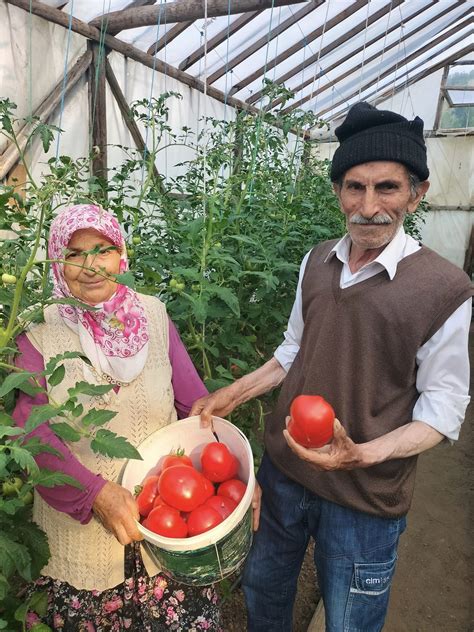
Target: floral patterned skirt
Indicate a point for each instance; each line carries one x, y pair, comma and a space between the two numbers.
141, 603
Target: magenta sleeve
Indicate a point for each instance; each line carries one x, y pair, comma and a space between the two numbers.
75, 502
187, 385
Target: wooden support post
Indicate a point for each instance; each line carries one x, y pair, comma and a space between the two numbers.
97, 112
439, 108
11, 155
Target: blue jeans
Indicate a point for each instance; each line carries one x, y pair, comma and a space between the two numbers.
355, 557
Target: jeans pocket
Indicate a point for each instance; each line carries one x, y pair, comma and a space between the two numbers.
368, 596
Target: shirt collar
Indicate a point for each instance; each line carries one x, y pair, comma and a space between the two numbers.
388, 258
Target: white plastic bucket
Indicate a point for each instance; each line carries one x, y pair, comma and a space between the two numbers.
211, 556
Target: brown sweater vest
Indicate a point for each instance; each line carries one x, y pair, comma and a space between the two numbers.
358, 351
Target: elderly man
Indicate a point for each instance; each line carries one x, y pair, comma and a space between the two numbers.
379, 328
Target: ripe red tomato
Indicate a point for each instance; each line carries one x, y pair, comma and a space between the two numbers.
167, 522
312, 421
202, 519
176, 458
182, 487
218, 463
159, 502
209, 487
233, 489
223, 505
147, 495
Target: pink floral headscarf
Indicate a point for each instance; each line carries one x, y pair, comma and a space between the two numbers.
115, 335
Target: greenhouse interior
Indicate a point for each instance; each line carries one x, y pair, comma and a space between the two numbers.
206, 140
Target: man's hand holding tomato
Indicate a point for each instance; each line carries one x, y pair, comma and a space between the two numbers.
340, 454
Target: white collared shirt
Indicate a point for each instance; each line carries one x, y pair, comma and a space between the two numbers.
443, 361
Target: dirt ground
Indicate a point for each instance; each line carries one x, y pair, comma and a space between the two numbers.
433, 588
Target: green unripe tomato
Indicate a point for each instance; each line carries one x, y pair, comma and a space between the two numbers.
136, 239
12, 486
173, 283
195, 287
8, 279
130, 252
180, 286
27, 497
218, 245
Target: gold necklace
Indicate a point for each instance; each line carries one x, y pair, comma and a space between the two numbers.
108, 378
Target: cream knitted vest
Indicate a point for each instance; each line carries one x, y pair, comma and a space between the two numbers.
88, 556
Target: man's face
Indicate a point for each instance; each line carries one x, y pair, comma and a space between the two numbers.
375, 197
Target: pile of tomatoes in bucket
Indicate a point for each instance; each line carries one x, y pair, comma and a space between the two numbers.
182, 501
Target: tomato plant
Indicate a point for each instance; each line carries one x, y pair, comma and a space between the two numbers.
202, 519
166, 521
218, 463
233, 489
223, 505
147, 495
312, 421
182, 487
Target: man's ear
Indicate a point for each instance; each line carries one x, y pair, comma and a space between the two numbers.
336, 187
421, 190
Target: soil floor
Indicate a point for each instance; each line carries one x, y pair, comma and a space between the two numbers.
433, 588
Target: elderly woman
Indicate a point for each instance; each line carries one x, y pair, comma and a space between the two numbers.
130, 343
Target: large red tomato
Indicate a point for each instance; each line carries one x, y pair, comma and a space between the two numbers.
233, 489
223, 505
218, 463
202, 519
312, 421
182, 487
176, 458
166, 521
208, 487
147, 495
159, 502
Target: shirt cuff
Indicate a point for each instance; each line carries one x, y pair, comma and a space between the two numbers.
443, 413
285, 354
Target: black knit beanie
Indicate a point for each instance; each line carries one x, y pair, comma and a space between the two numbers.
368, 134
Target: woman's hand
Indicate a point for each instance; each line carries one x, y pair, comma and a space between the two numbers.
117, 510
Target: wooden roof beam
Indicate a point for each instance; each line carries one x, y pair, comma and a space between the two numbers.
371, 58
90, 32
132, 5
199, 53
181, 12
337, 19
411, 57
169, 36
263, 41
316, 58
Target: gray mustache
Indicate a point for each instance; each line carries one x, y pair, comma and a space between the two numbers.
377, 219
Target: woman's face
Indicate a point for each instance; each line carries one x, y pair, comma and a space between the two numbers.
87, 248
